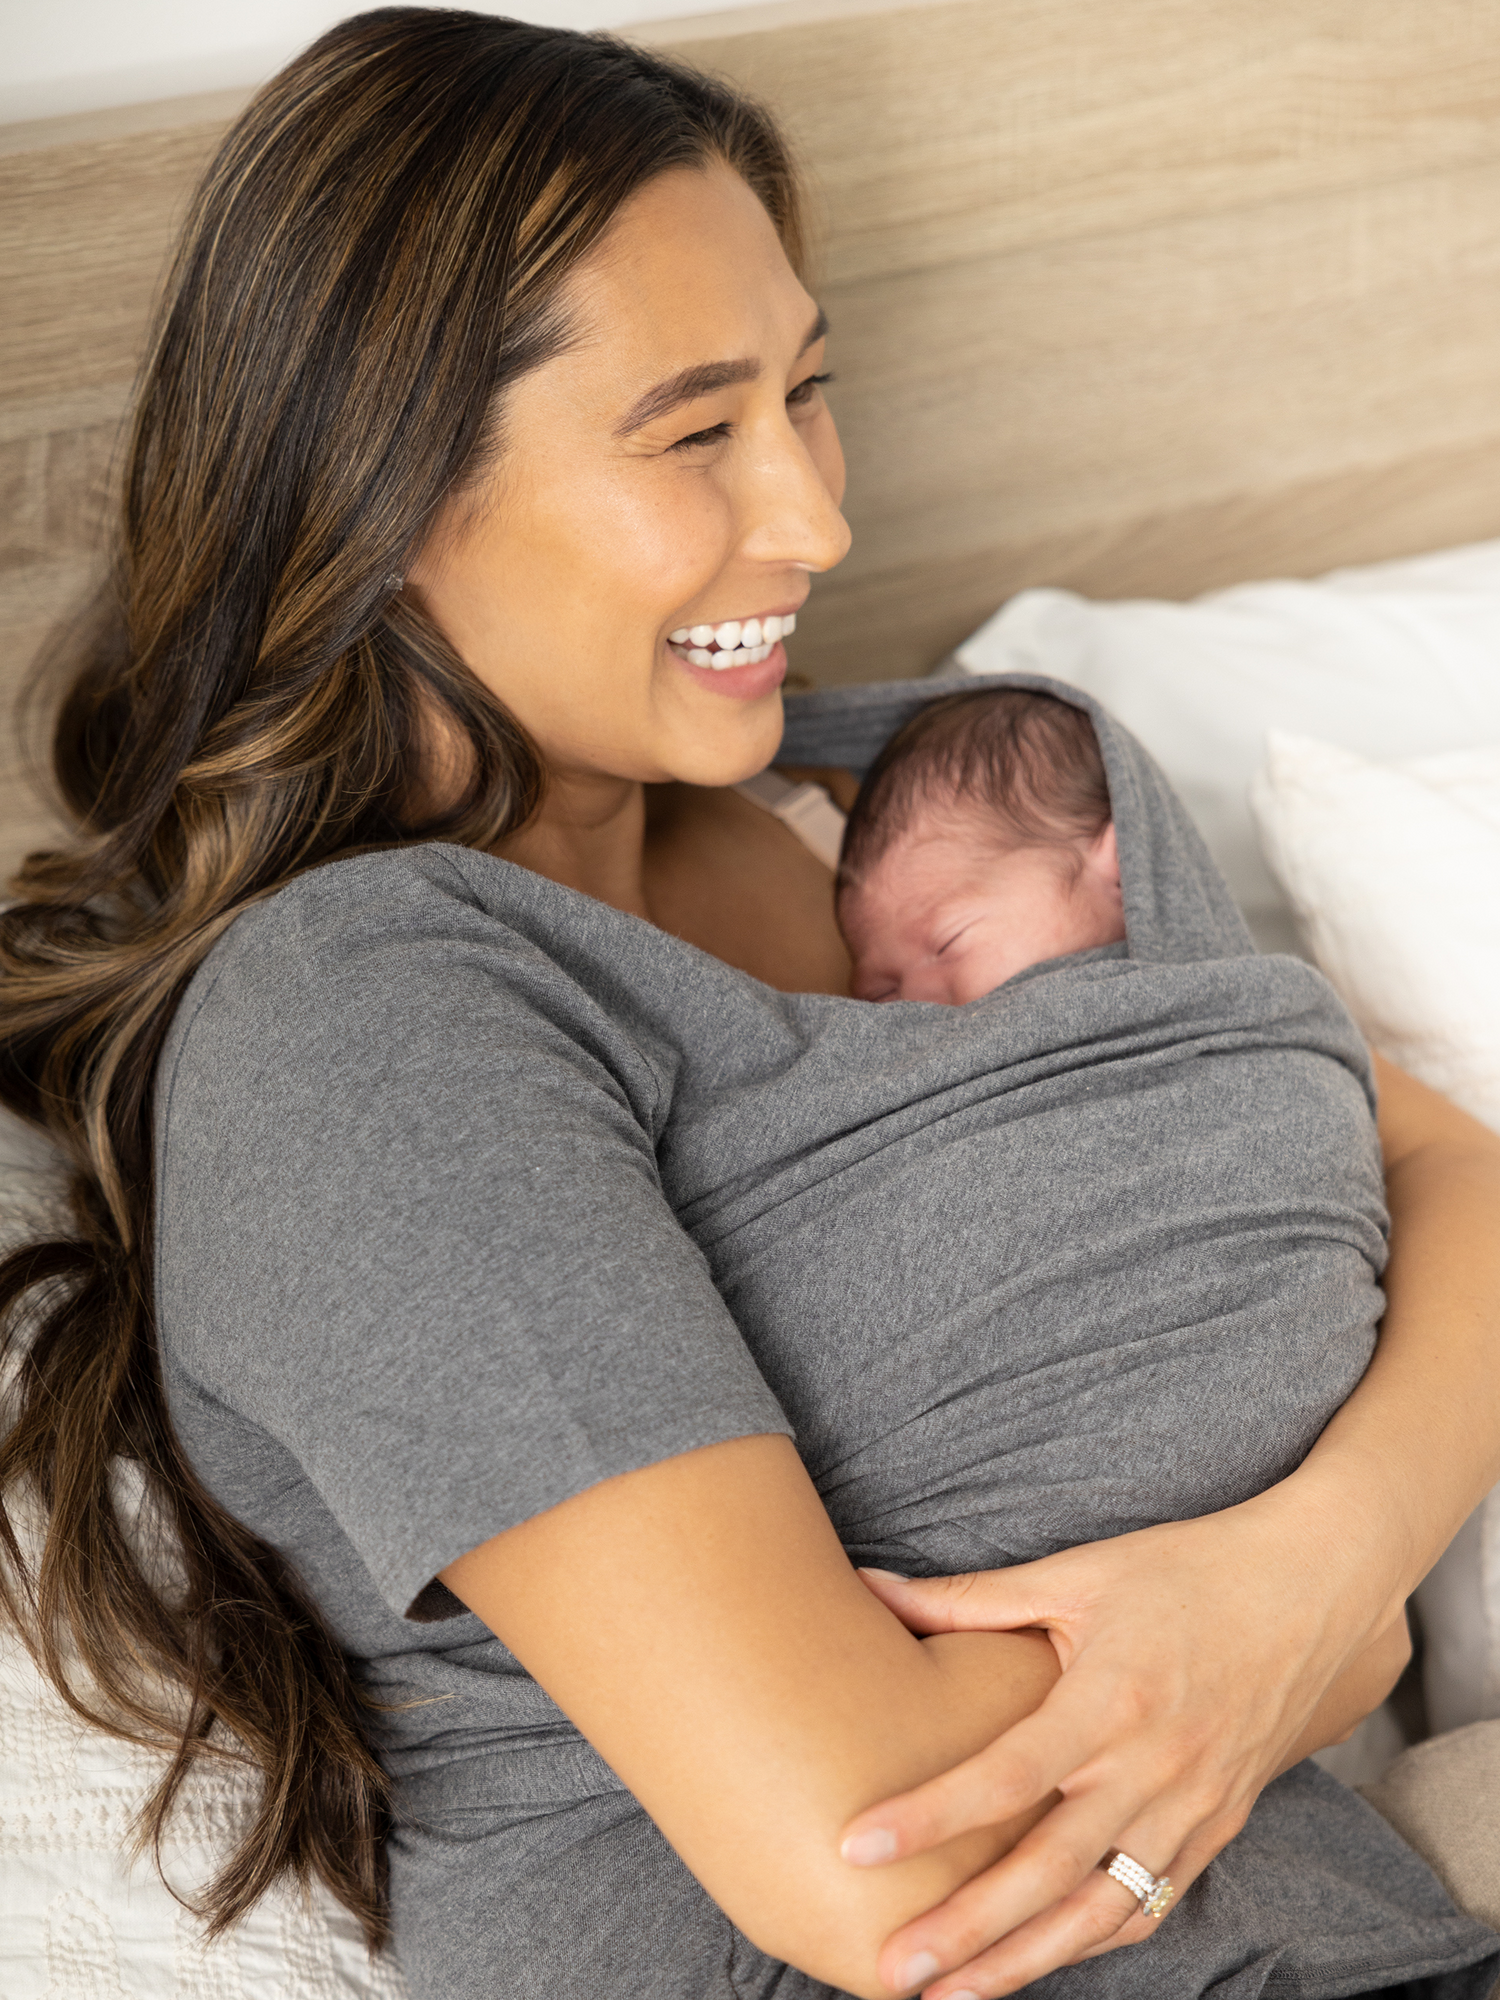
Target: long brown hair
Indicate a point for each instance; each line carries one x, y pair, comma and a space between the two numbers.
374, 255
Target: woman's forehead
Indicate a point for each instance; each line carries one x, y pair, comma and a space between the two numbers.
690, 278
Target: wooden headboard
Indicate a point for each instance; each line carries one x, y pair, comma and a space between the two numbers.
1140, 298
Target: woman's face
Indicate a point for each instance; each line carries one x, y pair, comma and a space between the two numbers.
675, 468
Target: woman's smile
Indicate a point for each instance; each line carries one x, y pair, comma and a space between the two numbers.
736, 643
743, 657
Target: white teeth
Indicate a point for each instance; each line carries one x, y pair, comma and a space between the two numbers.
740, 643
739, 656
735, 634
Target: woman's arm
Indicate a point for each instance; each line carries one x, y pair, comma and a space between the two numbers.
1420, 1437
1202, 1657
700, 1623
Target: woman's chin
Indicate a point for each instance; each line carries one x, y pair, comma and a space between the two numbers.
724, 741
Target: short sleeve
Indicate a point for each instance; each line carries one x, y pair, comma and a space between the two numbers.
410, 1222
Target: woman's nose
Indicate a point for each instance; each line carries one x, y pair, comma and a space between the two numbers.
793, 517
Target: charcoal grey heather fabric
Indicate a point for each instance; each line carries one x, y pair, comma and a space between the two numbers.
473, 1192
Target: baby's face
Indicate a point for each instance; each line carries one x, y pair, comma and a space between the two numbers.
945, 917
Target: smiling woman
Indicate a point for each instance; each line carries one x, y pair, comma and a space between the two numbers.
674, 469
423, 326
498, 1557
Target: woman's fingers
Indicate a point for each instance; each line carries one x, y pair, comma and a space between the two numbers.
996, 1600
1041, 1873
992, 1786
1084, 1716
1096, 1916
1181, 1871
1048, 1874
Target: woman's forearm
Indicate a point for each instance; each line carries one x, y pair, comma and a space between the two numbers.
1417, 1445
699, 1622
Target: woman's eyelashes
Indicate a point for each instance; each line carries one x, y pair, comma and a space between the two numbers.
798, 398
696, 438
803, 393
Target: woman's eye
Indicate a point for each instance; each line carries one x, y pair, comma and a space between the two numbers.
803, 393
696, 438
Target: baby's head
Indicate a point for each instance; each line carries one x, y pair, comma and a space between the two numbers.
981, 843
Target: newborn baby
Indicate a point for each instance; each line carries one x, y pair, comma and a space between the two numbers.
981, 843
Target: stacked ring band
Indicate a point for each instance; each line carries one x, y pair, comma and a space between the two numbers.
1153, 1892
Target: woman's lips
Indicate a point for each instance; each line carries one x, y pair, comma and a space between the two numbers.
745, 683
743, 657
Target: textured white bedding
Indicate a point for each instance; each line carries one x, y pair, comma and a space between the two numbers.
84, 1921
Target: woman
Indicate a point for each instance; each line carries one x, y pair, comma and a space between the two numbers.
485, 371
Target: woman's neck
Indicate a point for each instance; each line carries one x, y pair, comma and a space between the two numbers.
589, 834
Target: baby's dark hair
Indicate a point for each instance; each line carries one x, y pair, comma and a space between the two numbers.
1029, 763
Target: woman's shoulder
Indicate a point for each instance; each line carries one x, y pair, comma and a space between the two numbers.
413, 916
383, 893
355, 969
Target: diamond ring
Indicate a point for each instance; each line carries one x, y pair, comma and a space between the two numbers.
1153, 1892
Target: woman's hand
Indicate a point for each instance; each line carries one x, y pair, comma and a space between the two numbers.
1200, 1659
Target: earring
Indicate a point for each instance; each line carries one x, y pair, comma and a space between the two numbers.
394, 582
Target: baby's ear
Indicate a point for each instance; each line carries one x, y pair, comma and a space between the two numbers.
1102, 856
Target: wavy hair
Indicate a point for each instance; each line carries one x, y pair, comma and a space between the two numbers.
377, 252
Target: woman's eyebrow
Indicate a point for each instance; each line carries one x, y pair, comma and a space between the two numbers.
702, 380
685, 387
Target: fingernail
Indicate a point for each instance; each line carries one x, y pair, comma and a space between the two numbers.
871, 1569
918, 1970
963, 1993
868, 1850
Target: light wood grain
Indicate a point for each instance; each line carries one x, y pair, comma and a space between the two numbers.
1138, 299
84, 230
1120, 375
901, 620
949, 132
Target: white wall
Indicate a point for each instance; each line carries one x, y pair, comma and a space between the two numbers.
81, 55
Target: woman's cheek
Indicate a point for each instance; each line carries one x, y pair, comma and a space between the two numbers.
671, 543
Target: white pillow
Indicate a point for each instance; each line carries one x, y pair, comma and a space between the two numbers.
1458, 1603
1395, 660
1392, 870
